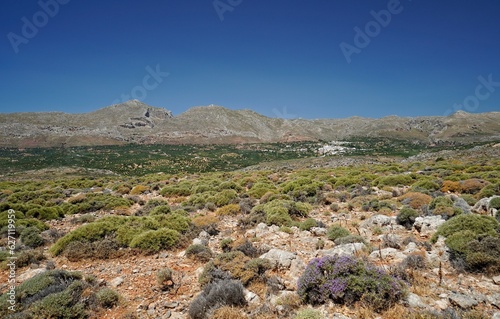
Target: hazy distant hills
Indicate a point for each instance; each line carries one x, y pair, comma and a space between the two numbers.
136, 122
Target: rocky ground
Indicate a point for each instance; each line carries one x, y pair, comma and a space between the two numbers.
439, 286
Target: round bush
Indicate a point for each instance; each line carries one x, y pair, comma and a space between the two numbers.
346, 280
156, 240
108, 298
336, 232
406, 217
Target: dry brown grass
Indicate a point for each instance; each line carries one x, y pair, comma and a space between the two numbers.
420, 284
203, 221
259, 288
227, 312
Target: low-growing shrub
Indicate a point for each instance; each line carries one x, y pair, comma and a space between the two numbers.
107, 297
308, 224
165, 278
346, 280
336, 231
160, 210
30, 236
308, 314
495, 203
406, 217
228, 210
349, 239
28, 257
199, 252
156, 240
139, 189
473, 185
282, 212
226, 244
415, 200
228, 312
51, 294
235, 265
474, 242
216, 295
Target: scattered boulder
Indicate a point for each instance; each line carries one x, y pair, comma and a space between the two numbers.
428, 225
280, 258
414, 301
463, 301
346, 249
378, 220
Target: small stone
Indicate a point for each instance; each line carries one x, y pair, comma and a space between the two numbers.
116, 282
442, 304
163, 255
463, 301
496, 280
171, 305
494, 300
414, 301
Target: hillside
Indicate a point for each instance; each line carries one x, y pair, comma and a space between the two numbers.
335, 237
136, 122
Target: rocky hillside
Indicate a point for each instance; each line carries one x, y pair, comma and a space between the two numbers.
414, 239
136, 122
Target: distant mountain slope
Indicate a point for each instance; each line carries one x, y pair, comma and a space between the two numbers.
136, 122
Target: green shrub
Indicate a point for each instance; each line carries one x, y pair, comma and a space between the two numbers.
156, 240
51, 294
28, 257
308, 314
176, 190
478, 224
336, 231
469, 199
281, 212
45, 213
160, 210
64, 305
308, 224
199, 252
474, 242
225, 197
107, 298
394, 180
177, 220
489, 190
90, 232
30, 236
425, 185
226, 244
134, 226
495, 203
406, 217
165, 278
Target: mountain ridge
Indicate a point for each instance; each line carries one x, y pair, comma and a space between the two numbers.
137, 122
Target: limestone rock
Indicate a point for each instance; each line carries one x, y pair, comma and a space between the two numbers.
279, 258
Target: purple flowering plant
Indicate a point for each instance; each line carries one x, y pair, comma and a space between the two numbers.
346, 280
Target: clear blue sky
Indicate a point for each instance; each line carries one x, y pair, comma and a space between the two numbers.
277, 57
